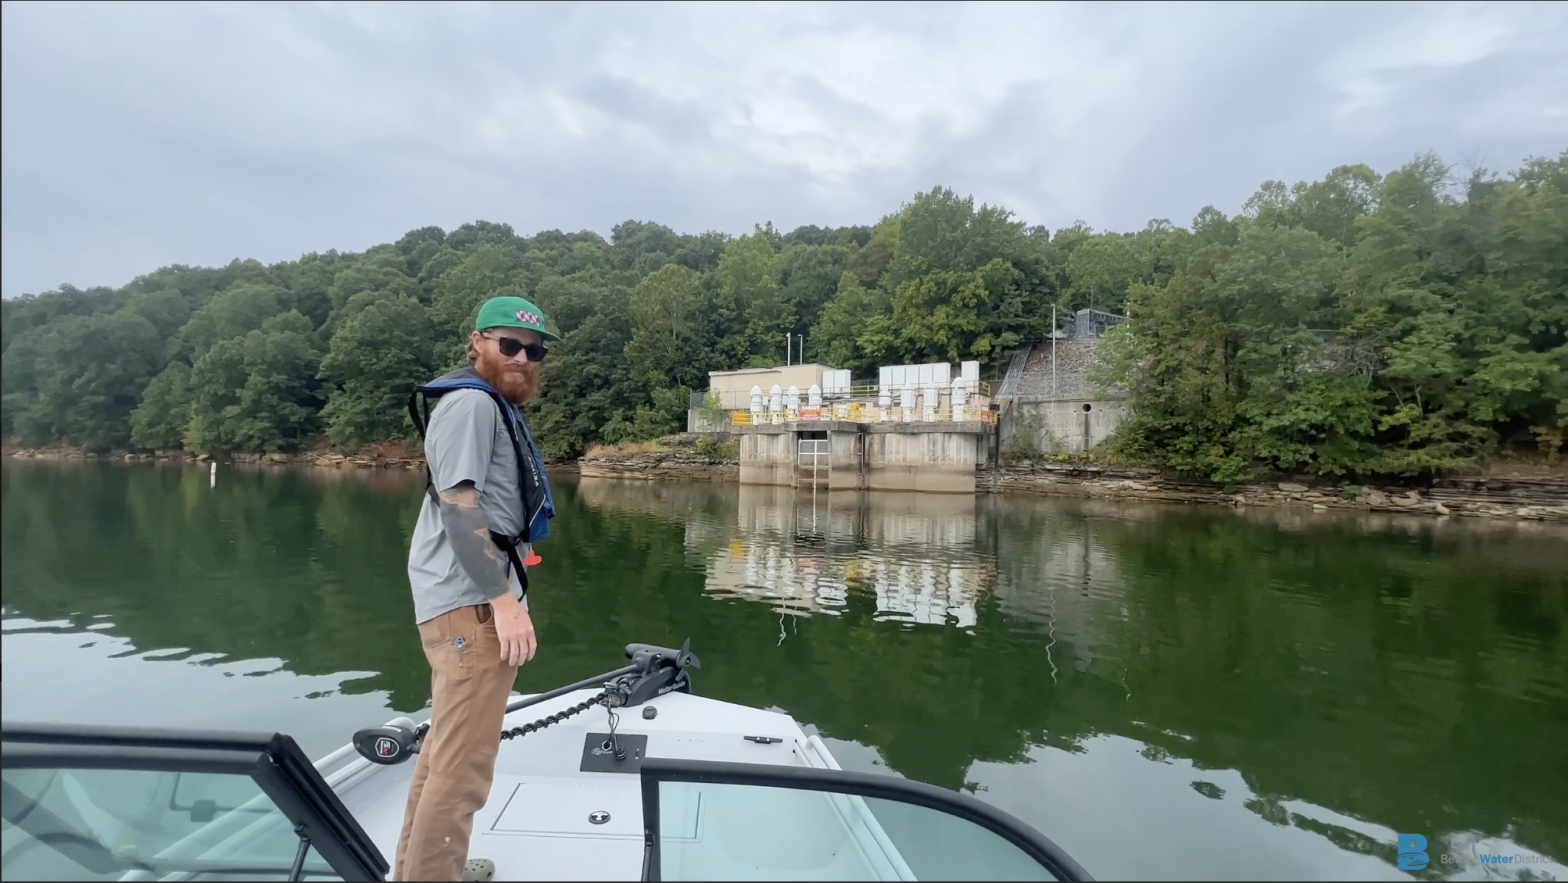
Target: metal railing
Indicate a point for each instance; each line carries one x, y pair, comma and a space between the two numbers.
975, 409
862, 391
863, 402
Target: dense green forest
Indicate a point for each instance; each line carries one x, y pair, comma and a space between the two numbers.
1358, 324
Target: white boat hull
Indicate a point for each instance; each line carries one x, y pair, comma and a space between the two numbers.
542, 820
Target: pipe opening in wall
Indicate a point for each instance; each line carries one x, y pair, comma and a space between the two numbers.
1086, 407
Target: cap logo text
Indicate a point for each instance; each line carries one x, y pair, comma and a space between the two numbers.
530, 318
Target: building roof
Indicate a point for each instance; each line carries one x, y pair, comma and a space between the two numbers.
769, 370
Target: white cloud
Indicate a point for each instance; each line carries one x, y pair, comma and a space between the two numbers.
137, 136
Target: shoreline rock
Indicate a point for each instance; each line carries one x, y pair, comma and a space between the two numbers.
332, 459
1533, 498
663, 466
1537, 499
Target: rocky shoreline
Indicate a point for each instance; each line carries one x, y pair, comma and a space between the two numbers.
1533, 498
358, 460
326, 459
1537, 497
672, 466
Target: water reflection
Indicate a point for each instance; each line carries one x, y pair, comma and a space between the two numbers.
1263, 694
801, 552
1272, 662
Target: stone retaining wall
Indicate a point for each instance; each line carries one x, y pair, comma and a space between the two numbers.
660, 467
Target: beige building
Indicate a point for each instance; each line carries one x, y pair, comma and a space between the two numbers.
734, 387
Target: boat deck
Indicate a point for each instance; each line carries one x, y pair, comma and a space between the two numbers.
543, 819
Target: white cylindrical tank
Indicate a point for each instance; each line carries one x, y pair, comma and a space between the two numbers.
792, 399
814, 396
960, 397
775, 399
906, 397
931, 395
756, 400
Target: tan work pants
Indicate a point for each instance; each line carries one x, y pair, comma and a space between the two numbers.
469, 685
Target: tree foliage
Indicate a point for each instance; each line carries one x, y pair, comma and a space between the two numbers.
1356, 324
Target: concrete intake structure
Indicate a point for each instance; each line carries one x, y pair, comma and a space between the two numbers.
936, 457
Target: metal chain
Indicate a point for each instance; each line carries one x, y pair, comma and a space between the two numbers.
547, 720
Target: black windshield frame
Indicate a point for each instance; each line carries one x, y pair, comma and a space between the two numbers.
273, 760
656, 770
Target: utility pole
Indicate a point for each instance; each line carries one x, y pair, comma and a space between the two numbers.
789, 348
1053, 351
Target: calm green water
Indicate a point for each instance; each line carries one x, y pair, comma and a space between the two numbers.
1167, 692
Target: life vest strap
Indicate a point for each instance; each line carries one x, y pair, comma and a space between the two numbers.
422, 422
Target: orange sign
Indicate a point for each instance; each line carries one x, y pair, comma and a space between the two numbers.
810, 413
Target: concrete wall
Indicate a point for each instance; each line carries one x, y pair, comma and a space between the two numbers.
1058, 426
934, 462
927, 457
695, 422
767, 458
844, 448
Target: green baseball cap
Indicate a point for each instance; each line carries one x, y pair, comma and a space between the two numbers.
512, 312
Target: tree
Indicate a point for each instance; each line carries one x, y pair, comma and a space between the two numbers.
1360, 324
748, 290
161, 419
258, 392
86, 374
374, 362
663, 310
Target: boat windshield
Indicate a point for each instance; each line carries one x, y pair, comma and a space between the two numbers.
120, 803
115, 824
719, 821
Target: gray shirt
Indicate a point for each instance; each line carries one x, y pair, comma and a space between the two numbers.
465, 441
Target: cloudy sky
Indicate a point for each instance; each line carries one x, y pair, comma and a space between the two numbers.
141, 135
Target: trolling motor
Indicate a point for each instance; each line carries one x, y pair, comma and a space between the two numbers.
658, 670
654, 671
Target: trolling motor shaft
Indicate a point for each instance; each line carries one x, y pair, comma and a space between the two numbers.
654, 671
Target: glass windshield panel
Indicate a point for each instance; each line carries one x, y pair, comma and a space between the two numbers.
756, 832
95, 824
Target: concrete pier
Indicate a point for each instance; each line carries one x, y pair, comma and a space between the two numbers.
936, 457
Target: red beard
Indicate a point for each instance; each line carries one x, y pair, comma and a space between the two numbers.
516, 382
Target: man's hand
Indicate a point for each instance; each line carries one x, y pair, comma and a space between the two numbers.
469, 535
514, 628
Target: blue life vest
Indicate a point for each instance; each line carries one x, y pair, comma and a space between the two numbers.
538, 504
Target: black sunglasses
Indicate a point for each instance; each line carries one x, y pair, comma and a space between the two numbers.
511, 346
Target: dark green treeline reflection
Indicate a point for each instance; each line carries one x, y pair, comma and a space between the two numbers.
1407, 672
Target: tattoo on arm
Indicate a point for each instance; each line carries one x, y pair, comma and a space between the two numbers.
469, 534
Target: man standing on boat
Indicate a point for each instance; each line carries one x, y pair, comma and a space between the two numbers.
486, 504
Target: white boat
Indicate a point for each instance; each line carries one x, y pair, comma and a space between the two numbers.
624, 776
